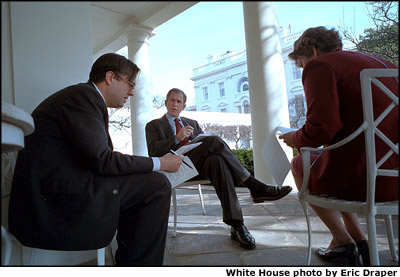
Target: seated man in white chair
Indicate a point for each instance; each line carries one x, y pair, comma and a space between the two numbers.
213, 160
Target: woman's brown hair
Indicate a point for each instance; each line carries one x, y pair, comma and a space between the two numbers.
323, 39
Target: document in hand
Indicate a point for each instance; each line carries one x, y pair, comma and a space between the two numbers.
200, 137
184, 173
186, 148
274, 156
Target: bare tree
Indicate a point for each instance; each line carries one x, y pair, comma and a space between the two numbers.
120, 118
382, 40
234, 133
215, 129
296, 111
158, 102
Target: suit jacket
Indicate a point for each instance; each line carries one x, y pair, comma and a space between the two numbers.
334, 111
160, 137
64, 193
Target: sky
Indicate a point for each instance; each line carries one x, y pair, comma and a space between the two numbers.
212, 28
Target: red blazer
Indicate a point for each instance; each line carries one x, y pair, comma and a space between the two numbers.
334, 110
65, 187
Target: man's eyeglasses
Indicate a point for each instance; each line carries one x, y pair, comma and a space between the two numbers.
130, 84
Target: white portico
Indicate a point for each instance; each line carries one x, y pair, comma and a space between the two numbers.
47, 46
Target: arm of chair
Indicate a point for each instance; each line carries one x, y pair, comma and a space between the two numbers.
305, 155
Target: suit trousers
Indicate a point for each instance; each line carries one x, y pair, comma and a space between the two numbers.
214, 160
143, 222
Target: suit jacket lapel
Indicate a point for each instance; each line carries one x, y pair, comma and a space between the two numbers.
105, 117
166, 127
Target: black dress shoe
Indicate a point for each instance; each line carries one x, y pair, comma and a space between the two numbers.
269, 193
363, 249
345, 255
243, 236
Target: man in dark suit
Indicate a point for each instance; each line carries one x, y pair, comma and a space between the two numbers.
71, 191
213, 160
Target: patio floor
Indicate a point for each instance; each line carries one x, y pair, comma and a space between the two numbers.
279, 228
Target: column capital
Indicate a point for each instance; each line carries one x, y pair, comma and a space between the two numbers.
138, 33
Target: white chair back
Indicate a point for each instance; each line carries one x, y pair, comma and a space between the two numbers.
369, 77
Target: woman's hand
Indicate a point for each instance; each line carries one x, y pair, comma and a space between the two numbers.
288, 138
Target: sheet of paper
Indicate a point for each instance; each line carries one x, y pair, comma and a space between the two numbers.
274, 156
280, 130
184, 173
186, 148
200, 137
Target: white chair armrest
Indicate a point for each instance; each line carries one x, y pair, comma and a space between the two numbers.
306, 151
340, 143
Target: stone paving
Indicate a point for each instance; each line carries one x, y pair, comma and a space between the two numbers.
279, 228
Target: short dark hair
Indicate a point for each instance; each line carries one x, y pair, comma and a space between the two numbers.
176, 90
115, 63
323, 39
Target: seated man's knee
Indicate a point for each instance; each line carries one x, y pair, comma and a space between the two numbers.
162, 183
214, 141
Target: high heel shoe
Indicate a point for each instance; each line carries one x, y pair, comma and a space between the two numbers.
347, 254
363, 249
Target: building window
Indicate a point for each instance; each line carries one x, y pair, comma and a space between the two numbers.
221, 89
243, 84
239, 109
223, 110
205, 93
246, 107
296, 72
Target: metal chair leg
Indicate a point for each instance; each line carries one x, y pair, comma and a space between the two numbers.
389, 230
201, 199
372, 242
303, 204
101, 257
175, 211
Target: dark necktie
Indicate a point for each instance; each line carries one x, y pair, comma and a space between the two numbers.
178, 128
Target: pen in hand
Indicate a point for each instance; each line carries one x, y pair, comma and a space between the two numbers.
173, 152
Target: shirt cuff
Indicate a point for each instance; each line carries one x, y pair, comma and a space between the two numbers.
156, 164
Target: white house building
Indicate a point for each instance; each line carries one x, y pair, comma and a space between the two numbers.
222, 85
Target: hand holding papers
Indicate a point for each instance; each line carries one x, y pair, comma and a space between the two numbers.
173, 152
274, 156
284, 130
186, 171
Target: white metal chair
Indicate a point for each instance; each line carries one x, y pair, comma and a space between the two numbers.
9, 240
183, 185
369, 208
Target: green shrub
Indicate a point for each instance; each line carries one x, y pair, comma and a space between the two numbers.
245, 156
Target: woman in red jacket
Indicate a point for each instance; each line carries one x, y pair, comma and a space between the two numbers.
331, 80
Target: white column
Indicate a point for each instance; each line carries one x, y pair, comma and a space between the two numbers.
141, 102
266, 78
